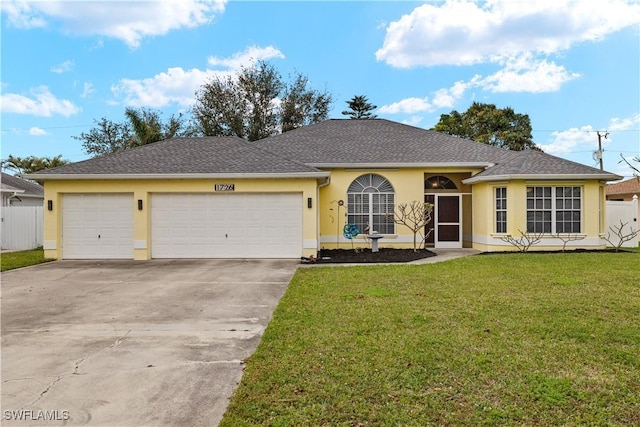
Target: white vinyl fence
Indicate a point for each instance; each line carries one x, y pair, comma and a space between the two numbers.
22, 227
619, 213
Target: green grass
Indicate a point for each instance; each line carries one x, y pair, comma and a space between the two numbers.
508, 339
11, 260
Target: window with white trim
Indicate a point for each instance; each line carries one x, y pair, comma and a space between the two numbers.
370, 204
501, 209
554, 209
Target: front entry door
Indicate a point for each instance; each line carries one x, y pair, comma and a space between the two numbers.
445, 221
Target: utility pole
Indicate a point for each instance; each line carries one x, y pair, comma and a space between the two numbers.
599, 152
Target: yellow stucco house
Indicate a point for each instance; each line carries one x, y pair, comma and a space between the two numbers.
291, 195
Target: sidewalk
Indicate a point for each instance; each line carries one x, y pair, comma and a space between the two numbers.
446, 255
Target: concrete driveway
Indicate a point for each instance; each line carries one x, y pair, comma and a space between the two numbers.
126, 343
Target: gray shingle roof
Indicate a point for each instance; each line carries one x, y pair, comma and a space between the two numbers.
12, 183
378, 141
336, 142
532, 162
210, 155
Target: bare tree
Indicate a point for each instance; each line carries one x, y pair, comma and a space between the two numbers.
415, 216
636, 168
622, 236
524, 242
566, 238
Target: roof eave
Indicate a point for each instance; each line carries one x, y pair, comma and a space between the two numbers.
156, 176
388, 165
545, 177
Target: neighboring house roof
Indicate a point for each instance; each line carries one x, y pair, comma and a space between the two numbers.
192, 157
630, 186
25, 188
367, 143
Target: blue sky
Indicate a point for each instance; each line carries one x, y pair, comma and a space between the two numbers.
573, 67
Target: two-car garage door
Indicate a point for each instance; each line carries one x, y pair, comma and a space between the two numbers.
259, 225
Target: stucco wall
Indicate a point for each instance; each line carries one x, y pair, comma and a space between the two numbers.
142, 190
408, 185
485, 238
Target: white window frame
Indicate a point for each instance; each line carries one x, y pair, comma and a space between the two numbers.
362, 202
500, 210
553, 207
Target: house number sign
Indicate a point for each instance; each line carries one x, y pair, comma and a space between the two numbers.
225, 187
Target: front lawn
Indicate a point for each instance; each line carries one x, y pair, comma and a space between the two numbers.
505, 339
11, 260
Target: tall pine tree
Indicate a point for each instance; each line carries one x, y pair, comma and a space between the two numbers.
360, 108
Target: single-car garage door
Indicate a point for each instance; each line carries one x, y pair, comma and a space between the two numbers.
265, 225
97, 226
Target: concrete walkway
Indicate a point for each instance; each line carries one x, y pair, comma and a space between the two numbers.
446, 255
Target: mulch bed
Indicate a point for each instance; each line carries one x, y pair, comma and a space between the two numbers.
385, 255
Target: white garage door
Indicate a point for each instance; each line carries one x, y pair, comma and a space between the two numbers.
226, 225
97, 226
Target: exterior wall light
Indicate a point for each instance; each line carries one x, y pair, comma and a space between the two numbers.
139, 204
49, 205
309, 202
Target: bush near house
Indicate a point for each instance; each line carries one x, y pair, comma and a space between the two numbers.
503, 339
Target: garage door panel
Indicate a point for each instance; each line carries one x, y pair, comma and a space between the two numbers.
226, 225
97, 226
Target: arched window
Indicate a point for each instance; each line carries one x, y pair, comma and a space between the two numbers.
370, 204
439, 183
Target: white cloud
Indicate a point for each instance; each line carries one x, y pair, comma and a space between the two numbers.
574, 139
442, 98
618, 124
413, 121
42, 103
128, 21
446, 98
585, 138
522, 74
463, 32
36, 131
87, 89
250, 55
64, 67
20, 15
525, 74
407, 106
178, 86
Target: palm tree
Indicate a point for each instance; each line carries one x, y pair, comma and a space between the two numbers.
32, 164
146, 125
